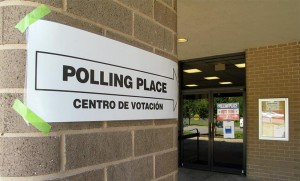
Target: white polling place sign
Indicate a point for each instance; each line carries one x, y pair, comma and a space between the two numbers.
74, 75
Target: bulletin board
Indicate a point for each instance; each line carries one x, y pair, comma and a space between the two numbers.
274, 119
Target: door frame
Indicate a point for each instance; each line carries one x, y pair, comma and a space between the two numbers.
210, 93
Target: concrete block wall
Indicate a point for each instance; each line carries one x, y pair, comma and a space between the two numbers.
273, 72
117, 150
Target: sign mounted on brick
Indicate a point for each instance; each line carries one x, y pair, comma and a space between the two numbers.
74, 75
274, 119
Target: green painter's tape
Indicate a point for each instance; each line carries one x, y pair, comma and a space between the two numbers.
31, 117
32, 17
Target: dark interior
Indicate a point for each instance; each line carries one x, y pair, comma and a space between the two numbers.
230, 73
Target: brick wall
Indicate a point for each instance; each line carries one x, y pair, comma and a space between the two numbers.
273, 72
118, 150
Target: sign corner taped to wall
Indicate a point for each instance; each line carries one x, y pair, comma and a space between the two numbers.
31, 117
32, 17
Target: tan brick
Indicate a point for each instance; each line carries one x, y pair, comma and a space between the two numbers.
176, 176
54, 3
105, 12
282, 45
1, 118
143, 6
81, 149
165, 121
166, 163
152, 140
165, 16
86, 176
175, 5
129, 41
12, 70
168, 2
76, 126
168, 178
29, 156
153, 34
12, 122
66, 20
1, 25
166, 55
97, 148
129, 123
270, 74
175, 51
141, 169
11, 16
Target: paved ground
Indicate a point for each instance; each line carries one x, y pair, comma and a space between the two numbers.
204, 129
195, 175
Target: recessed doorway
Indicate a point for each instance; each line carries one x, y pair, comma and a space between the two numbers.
212, 132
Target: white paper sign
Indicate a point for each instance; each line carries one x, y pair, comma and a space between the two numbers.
74, 75
228, 129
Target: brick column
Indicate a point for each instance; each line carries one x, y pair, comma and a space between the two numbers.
117, 150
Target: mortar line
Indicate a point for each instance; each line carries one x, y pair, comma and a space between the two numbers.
18, 3
65, 5
105, 124
133, 21
63, 160
174, 137
105, 174
175, 45
12, 91
153, 16
2, 24
153, 166
132, 134
115, 129
168, 6
86, 131
174, 174
165, 176
13, 47
164, 151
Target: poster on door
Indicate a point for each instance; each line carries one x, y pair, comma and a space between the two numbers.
228, 111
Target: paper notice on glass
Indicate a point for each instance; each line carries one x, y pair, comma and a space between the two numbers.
268, 130
278, 131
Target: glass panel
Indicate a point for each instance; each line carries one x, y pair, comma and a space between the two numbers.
228, 132
195, 130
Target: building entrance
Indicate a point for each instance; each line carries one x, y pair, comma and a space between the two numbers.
212, 136
212, 133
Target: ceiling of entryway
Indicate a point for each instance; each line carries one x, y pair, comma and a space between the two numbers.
221, 67
215, 27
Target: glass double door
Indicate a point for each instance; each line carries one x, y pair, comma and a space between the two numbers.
212, 134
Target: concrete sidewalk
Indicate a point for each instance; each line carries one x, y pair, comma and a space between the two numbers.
195, 175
